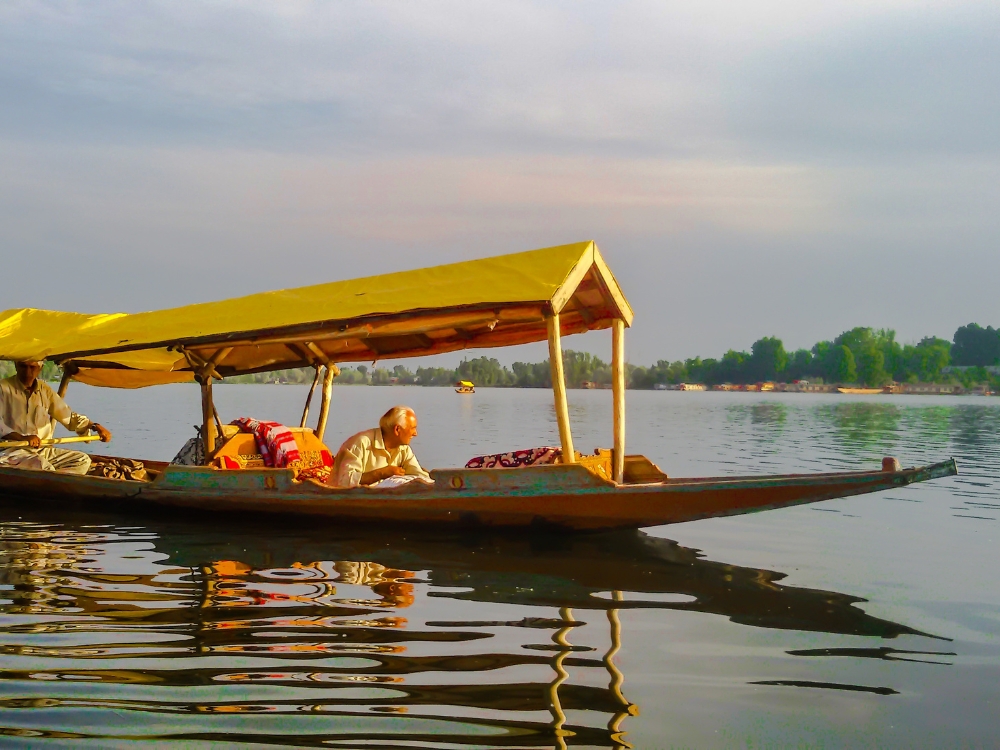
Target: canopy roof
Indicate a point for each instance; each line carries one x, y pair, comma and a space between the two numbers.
499, 301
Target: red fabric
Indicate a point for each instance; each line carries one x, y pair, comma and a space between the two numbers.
320, 473
516, 459
230, 463
275, 442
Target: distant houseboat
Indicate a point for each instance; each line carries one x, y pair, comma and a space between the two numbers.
933, 389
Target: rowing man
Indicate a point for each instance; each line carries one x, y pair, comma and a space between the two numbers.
28, 412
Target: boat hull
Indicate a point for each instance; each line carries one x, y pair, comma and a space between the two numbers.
567, 496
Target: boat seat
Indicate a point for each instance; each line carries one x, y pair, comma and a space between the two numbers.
241, 448
640, 470
599, 463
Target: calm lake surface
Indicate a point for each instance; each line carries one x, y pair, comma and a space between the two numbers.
865, 622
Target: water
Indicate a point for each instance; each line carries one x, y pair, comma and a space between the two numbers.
869, 621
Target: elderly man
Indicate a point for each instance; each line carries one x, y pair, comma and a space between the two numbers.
374, 455
28, 412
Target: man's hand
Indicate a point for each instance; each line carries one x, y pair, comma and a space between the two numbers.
102, 432
377, 475
17, 437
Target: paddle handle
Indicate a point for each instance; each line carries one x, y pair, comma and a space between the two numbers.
52, 441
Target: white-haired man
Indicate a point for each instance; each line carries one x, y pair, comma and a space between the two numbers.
374, 455
28, 411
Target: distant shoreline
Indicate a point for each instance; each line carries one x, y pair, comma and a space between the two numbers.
918, 389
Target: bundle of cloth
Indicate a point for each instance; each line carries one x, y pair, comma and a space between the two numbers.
117, 468
516, 459
276, 445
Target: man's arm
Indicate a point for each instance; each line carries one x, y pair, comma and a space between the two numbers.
349, 466
350, 472
412, 466
74, 422
377, 475
13, 436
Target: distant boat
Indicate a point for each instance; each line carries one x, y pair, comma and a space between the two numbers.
465, 386
859, 391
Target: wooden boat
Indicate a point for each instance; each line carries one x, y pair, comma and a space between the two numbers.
859, 391
501, 301
465, 386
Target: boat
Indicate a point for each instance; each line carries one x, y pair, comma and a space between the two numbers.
859, 391
507, 300
465, 386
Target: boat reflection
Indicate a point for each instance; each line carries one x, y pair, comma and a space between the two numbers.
343, 639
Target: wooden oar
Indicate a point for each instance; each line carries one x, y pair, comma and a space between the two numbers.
52, 441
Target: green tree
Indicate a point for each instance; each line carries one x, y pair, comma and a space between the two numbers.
485, 371
532, 375
925, 361
732, 368
869, 349
350, 376
435, 376
579, 367
840, 367
800, 365
976, 346
768, 359
403, 376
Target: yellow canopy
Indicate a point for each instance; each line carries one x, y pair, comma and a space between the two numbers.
499, 301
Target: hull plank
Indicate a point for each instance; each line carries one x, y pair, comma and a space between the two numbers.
567, 496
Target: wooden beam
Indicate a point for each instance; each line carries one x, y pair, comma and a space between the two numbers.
300, 351
573, 279
559, 389
309, 398
331, 330
614, 291
320, 355
207, 417
64, 382
216, 358
324, 406
618, 395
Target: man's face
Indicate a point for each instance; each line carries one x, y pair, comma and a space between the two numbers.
408, 430
27, 372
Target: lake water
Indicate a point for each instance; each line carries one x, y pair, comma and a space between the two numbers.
865, 622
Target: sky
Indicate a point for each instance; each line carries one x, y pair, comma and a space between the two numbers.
747, 169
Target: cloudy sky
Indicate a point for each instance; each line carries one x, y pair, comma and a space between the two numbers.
747, 168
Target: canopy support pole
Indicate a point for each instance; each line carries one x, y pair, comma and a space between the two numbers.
309, 398
64, 382
68, 372
207, 416
324, 405
559, 389
618, 394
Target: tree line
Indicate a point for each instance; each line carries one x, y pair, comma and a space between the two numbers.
863, 356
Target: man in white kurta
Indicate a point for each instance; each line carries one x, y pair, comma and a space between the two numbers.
375, 455
29, 409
